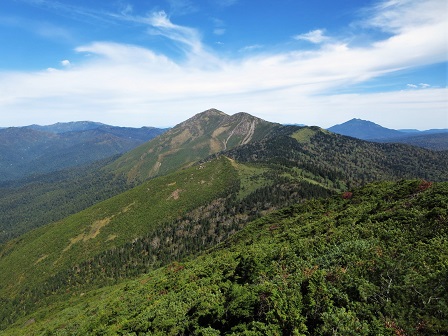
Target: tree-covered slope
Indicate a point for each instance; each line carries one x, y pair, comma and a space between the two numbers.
44, 198
290, 162
40, 199
369, 262
341, 161
179, 215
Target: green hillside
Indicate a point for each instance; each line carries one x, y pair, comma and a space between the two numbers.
42, 199
162, 220
369, 262
28, 262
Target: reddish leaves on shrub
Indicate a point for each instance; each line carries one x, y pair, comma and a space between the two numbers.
424, 185
347, 195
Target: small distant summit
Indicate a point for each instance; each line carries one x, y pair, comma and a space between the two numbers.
364, 129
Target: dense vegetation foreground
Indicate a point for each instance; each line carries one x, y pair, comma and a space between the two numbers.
371, 262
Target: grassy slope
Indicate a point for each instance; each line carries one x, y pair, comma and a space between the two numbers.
369, 263
283, 167
32, 258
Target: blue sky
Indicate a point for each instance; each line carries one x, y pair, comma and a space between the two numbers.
157, 63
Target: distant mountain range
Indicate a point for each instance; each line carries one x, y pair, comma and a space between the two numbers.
41, 149
435, 139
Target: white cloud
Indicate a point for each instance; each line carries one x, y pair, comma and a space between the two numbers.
130, 85
397, 16
65, 63
162, 25
418, 86
315, 36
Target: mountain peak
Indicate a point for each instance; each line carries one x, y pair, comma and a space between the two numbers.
243, 115
202, 135
210, 112
213, 111
364, 129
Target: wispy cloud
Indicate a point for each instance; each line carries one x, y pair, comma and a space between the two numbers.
219, 26
188, 39
125, 8
39, 28
118, 79
418, 86
219, 31
182, 7
397, 16
70, 10
315, 36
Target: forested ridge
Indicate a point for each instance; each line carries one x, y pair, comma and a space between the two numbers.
368, 262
